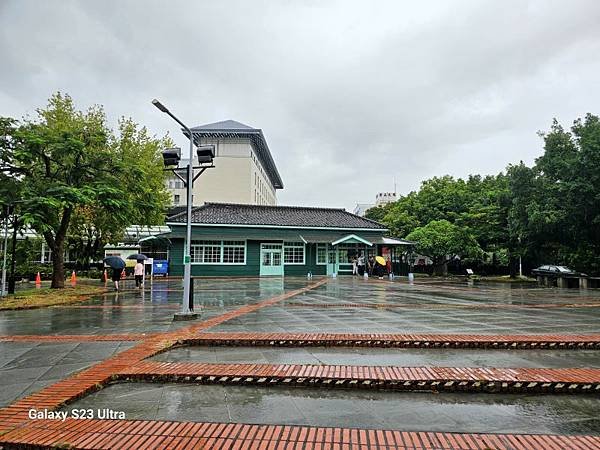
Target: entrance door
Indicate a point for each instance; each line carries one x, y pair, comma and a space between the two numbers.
331, 260
271, 262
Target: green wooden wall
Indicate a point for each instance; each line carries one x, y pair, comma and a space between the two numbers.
250, 269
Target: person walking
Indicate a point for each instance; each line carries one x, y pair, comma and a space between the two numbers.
360, 265
116, 277
354, 266
138, 272
371, 266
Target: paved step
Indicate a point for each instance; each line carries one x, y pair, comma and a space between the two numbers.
476, 379
136, 434
513, 341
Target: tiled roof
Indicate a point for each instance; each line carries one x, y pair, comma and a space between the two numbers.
288, 216
224, 125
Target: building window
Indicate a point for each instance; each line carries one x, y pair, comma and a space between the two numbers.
293, 253
218, 252
206, 252
234, 252
322, 254
176, 199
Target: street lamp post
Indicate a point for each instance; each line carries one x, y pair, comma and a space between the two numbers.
5, 252
187, 302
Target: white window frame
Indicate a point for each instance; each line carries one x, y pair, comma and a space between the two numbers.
294, 245
323, 246
221, 252
223, 245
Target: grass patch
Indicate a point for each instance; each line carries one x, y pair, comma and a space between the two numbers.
43, 297
504, 279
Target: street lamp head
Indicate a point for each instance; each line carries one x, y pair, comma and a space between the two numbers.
160, 106
171, 156
205, 153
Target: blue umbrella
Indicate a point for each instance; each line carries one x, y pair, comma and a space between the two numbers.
115, 262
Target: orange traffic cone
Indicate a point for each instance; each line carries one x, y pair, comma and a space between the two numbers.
38, 280
73, 278
123, 274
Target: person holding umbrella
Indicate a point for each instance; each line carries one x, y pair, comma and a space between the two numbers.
138, 270
117, 265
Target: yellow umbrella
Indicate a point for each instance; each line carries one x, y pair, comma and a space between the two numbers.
380, 260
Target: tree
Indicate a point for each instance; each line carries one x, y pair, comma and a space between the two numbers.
555, 208
71, 169
143, 187
443, 241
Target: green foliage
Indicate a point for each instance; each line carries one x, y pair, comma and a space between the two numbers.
76, 177
555, 207
442, 241
548, 213
478, 204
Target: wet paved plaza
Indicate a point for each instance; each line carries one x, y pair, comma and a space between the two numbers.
26, 367
408, 357
141, 311
343, 305
358, 306
354, 409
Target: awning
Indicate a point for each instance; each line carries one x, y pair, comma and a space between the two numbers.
352, 239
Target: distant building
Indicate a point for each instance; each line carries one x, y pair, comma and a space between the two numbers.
244, 171
361, 208
382, 198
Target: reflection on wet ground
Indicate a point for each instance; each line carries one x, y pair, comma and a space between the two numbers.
384, 356
143, 311
26, 367
338, 408
428, 307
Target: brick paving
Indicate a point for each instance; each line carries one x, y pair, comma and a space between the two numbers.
138, 434
17, 431
499, 341
582, 381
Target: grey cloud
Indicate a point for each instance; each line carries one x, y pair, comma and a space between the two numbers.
348, 94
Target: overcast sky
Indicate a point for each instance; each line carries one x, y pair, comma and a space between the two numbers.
349, 95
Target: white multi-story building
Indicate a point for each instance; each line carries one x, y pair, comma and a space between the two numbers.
244, 169
382, 198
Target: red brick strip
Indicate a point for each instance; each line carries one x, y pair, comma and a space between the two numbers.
75, 337
507, 341
585, 381
137, 434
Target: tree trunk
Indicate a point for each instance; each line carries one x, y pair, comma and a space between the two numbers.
512, 265
58, 268
58, 260
440, 269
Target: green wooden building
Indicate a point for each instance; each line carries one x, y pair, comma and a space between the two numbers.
257, 240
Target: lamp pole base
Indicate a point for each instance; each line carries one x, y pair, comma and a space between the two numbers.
185, 316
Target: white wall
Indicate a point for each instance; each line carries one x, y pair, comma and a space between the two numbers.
237, 177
